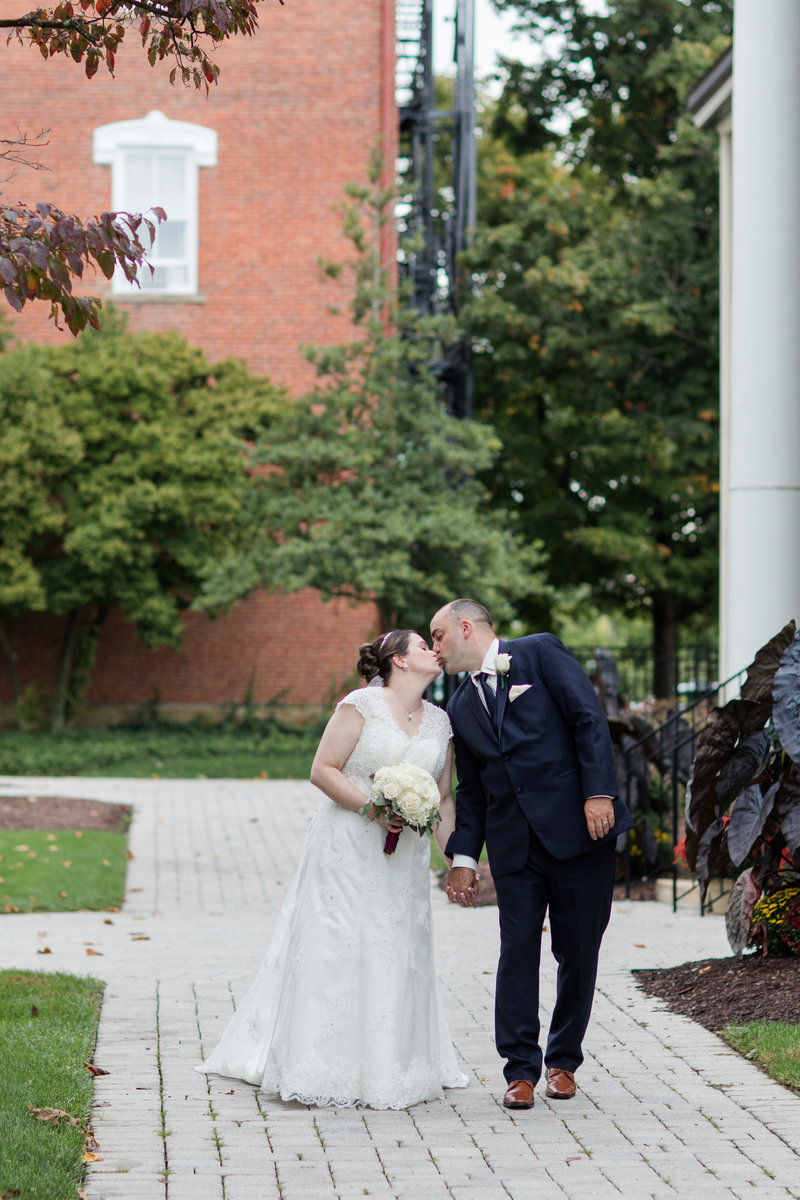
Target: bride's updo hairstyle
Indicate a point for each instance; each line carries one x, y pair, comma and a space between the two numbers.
375, 658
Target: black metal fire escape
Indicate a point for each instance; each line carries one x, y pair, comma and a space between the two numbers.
437, 220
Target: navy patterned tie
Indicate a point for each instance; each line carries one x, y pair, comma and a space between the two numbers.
489, 695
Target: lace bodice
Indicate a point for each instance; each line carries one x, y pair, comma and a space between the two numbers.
383, 743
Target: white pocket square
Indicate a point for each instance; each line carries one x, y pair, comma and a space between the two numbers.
517, 690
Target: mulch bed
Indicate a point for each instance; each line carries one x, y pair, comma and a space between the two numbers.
62, 812
729, 991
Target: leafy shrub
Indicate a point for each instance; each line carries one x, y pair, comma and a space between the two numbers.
743, 798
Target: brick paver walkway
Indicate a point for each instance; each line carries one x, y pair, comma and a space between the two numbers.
664, 1108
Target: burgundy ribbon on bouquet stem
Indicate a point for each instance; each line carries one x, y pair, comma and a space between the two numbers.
390, 845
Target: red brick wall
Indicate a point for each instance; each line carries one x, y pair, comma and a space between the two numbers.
294, 647
297, 111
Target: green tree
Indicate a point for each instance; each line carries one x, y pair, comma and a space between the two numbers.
594, 321
122, 472
367, 488
618, 77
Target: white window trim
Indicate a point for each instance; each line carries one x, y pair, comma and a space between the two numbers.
111, 143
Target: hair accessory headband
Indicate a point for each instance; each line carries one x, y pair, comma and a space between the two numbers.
383, 639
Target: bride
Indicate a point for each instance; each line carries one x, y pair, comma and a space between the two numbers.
344, 1009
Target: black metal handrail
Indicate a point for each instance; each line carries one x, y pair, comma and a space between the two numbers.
669, 748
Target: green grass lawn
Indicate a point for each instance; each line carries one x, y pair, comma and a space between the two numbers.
773, 1045
163, 751
43, 1058
61, 870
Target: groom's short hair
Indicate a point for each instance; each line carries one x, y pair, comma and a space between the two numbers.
470, 610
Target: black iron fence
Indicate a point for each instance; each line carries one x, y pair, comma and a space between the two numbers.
654, 763
632, 670
627, 673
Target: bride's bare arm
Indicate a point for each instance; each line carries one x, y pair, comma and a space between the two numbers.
336, 745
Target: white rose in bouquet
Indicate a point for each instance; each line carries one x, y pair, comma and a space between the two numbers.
389, 788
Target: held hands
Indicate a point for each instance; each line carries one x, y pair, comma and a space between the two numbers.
599, 816
461, 886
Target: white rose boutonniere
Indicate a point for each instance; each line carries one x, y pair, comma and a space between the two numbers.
502, 665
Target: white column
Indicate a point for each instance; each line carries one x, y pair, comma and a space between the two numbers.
761, 556
725, 274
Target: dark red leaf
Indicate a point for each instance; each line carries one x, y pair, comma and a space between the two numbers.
13, 299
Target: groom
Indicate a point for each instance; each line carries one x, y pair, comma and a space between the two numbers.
536, 782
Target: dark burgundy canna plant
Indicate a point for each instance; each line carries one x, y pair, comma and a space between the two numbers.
743, 796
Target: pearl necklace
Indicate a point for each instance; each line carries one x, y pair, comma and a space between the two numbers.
409, 715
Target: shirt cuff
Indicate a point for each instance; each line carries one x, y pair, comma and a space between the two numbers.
464, 860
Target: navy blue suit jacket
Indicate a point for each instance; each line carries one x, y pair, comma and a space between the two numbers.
534, 768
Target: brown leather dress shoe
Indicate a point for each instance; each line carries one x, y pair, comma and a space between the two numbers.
519, 1094
560, 1084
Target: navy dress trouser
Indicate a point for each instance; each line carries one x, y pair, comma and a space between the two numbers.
578, 893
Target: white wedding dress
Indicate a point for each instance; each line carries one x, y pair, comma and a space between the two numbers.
344, 1009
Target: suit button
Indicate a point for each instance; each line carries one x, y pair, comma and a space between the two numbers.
506, 757
519, 789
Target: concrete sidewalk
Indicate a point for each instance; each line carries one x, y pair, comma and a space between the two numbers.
664, 1108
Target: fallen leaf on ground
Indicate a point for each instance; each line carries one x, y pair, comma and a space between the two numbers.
90, 1156
44, 950
54, 1116
34, 1011
93, 1069
94, 953
703, 970
140, 937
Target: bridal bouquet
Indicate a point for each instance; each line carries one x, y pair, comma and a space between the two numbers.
406, 791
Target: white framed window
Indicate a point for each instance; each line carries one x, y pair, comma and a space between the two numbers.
154, 161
